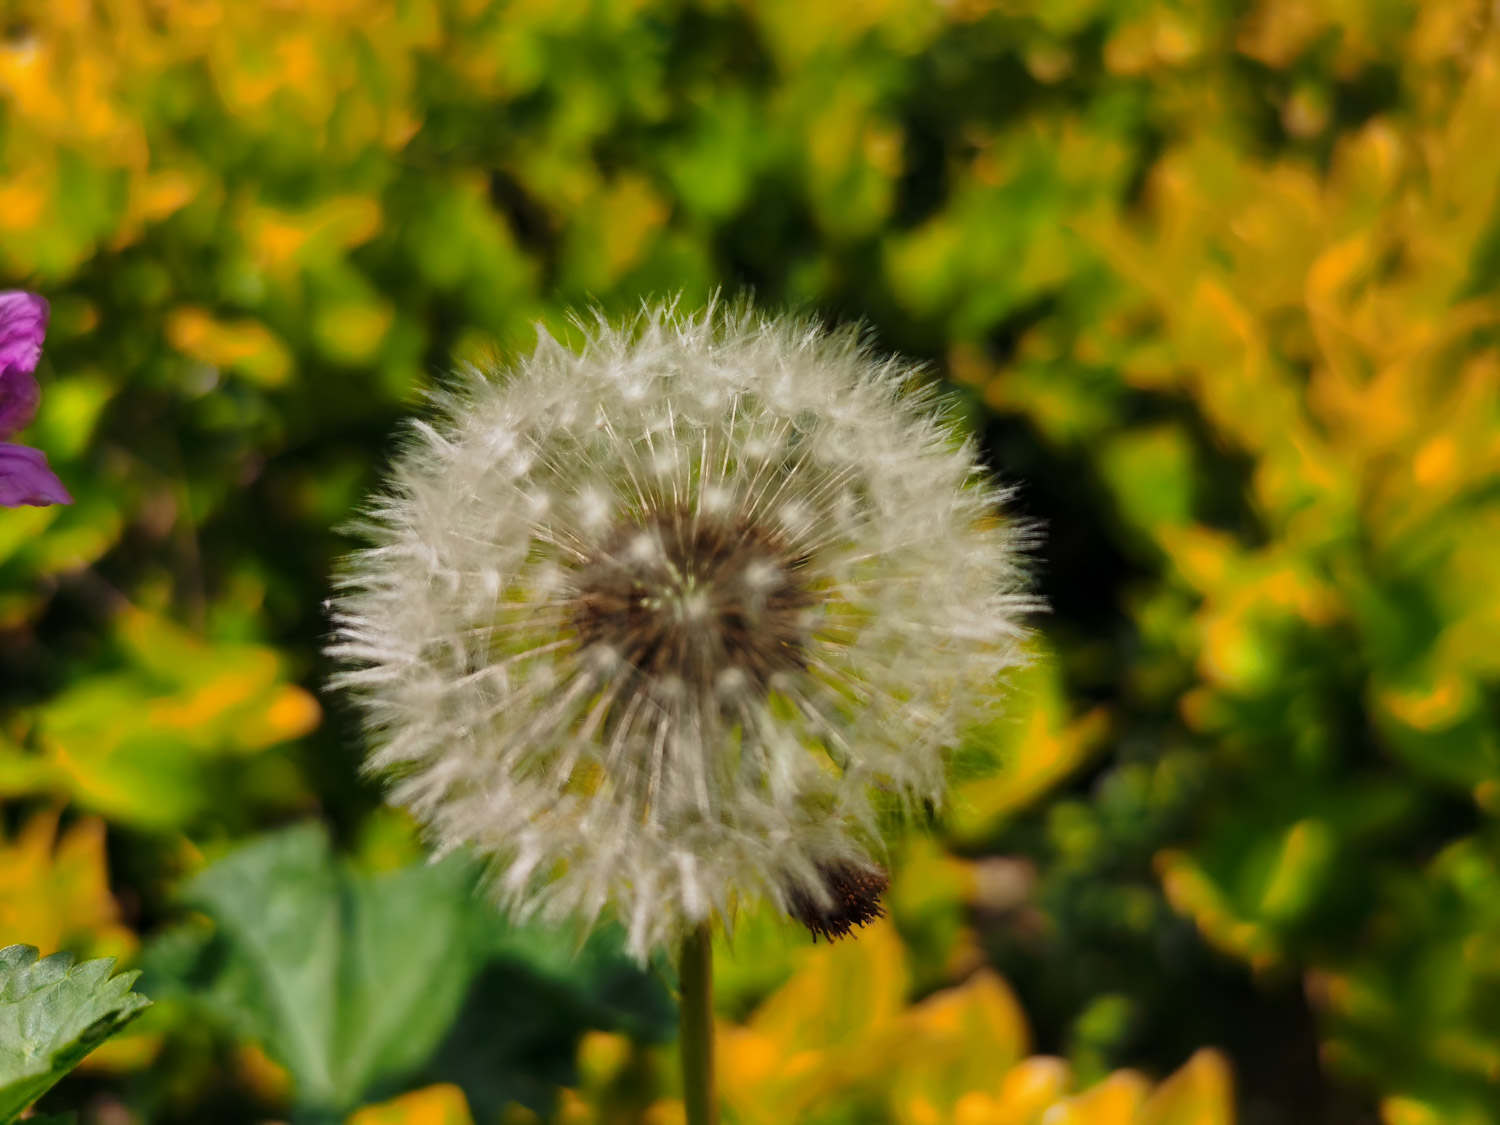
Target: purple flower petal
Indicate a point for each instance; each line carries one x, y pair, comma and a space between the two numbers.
26, 479
19, 395
23, 324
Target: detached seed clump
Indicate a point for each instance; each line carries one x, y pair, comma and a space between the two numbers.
680, 618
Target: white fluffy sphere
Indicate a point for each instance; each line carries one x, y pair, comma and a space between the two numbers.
678, 618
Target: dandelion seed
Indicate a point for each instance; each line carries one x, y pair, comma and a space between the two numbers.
680, 619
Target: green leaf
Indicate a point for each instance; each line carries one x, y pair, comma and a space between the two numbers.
343, 978
52, 1014
356, 982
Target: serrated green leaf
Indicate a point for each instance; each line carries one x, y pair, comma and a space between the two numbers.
52, 1014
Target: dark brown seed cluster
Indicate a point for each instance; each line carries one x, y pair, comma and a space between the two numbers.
689, 595
854, 899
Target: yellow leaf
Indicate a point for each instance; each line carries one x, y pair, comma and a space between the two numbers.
667, 1111
1431, 706
1409, 1111
976, 1108
283, 239
630, 214
747, 1060
815, 1036
1031, 1087
54, 891
572, 1110
259, 1072
601, 1056
154, 197
955, 1044
1331, 276
245, 346
434, 1105
981, 1017
133, 743
1191, 891
24, 196
1200, 1093
216, 686
352, 332
843, 992
1115, 1101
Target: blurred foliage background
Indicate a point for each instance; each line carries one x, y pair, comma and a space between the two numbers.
1218, 283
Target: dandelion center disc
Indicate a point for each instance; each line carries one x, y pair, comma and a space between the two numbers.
718, 603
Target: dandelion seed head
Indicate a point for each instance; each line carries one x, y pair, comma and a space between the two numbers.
672, 621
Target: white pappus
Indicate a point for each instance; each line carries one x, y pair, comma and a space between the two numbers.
679, 618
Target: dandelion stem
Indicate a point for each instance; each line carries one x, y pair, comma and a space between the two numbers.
697, 1026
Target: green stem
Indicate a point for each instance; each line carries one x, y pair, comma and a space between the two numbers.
697, 1027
